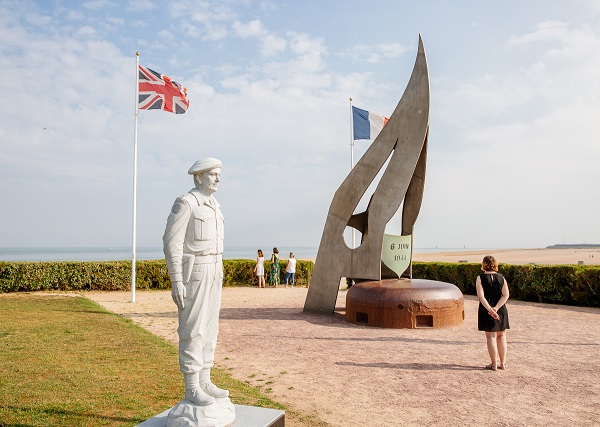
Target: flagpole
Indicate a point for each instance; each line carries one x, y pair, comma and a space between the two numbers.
135, 137
352, 159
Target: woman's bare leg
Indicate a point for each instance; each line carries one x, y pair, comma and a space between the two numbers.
502, 347
492, 349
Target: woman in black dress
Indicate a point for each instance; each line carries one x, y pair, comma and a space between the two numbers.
492, 291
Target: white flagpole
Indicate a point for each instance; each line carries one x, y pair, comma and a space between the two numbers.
135, 135
352, 159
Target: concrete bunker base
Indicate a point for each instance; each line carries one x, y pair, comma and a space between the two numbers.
405, 303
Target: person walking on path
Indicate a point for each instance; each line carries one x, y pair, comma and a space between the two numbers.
492, 316
290, 270
259, 269
274, 277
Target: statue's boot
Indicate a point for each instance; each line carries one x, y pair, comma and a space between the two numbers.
194, 393
209, 388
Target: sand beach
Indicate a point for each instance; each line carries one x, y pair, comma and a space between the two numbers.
544, 256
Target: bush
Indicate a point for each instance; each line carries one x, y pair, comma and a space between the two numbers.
116, 275
556, 284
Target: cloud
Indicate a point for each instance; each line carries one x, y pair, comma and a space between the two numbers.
483, 99
141, 5
544, 31
86, 31
80, 137
70, 97
75, 15
203, 18
99, 4
270, 44
250, 29
524, 138
373, 53
215, 33
573, 43
116, 21
309, 50
512, 144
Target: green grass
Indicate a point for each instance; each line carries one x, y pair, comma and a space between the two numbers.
65, 361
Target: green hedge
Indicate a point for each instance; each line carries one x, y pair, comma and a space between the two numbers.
556, 284
116, 275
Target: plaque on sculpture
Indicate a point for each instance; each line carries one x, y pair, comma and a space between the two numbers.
193, 247
396, 253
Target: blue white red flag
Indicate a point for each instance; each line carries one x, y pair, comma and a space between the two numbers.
159, 92
366, 125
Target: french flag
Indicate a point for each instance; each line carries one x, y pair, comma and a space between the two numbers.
366, 124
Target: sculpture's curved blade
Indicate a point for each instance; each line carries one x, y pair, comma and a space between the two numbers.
403, 137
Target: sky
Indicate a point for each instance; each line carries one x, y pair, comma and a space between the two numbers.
514, 140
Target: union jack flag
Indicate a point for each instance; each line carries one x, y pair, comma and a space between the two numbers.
159, 92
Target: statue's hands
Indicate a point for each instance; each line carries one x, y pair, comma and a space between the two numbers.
178, 294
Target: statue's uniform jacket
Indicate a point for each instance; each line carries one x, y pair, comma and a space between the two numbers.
193, 246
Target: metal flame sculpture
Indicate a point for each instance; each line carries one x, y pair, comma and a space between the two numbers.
404, 141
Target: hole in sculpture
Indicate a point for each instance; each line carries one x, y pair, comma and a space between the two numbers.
370, 190
352, 243
362, 317
400, 306
424, 321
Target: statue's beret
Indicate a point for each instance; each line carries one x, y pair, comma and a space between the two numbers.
204, 165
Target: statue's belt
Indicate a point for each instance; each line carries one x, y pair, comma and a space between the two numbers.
189, 260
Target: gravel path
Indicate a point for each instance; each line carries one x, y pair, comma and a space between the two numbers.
349, 375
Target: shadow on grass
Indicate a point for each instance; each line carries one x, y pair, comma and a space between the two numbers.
166, 315
66, 413
2, 424
107, 313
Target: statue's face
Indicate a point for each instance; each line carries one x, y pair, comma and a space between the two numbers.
209, 181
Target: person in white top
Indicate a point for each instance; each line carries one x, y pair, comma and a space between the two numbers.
259, 269
290, 270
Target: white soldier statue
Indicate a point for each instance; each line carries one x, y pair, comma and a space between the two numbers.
193, 246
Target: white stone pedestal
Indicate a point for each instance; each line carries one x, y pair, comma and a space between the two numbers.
245, 416
186, 414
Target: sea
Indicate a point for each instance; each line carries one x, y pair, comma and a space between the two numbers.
150, 253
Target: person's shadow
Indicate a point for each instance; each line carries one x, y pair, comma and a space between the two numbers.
413, 366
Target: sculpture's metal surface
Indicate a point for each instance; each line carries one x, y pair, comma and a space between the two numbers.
404, 141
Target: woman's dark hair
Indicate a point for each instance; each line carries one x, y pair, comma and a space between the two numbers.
275, 250
260, 252
489, 263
